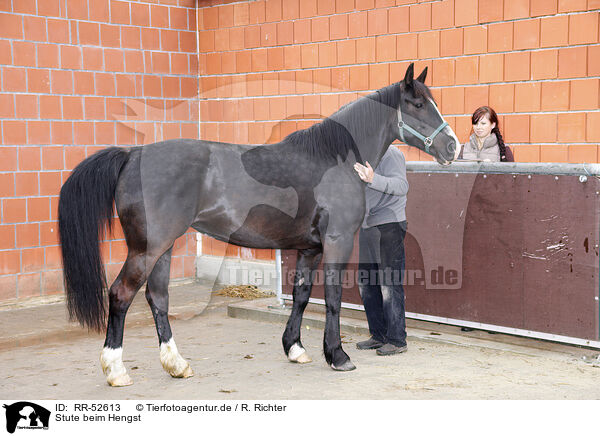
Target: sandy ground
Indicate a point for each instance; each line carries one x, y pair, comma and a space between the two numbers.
242, 359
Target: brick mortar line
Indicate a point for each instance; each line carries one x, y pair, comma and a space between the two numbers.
367, 92
147, 2
72, 132
40, 94
199, 131
125, 73
103, 119
355, 11
98, 120
35, 41
201, 76
259, 97
300, 44
116, 262
451, 57
32, 272
110, 23
70, 44
49, 246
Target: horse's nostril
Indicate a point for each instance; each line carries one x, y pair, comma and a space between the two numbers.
451, 147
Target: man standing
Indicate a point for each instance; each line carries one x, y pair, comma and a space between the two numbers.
381, 258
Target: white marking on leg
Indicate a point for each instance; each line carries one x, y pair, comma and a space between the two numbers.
172, 361
111, 360
298, 354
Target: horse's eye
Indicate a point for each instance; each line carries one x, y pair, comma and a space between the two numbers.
419, 105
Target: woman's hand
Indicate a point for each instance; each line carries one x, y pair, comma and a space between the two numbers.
364, 172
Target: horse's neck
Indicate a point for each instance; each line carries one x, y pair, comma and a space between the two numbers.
373, 146
368, 123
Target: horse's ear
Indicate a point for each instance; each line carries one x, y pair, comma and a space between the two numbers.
408, 77
422, 76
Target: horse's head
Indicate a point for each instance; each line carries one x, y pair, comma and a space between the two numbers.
420, 123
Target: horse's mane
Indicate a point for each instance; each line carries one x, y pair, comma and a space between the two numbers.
324, 140
330, 138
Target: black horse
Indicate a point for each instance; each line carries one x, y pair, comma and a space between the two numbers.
301, 193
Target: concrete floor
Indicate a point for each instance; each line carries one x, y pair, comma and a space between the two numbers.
44, 357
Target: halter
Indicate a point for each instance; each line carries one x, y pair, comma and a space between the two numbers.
426, 140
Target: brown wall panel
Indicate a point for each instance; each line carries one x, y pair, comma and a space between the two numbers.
525, 249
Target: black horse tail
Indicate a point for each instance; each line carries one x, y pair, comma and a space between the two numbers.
85, 206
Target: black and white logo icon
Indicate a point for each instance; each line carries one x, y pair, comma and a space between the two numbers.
26, 415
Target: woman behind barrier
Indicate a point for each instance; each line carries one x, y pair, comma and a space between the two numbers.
486, 142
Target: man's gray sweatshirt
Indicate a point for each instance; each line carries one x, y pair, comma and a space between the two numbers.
386, 194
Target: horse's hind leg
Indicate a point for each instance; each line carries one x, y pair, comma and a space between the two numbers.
130, 279
157, 295
307, 262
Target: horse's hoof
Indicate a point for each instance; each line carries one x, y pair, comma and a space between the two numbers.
172, 362
180, 371
304, 358
297, 354
187, 372
120, 381
346, 366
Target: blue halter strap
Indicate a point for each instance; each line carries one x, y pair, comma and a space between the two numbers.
427, 140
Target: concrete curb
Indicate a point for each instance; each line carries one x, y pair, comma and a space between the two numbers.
268, 310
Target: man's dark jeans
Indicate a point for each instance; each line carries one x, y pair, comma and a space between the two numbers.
381, 269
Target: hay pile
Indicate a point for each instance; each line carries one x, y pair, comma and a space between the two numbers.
248, 292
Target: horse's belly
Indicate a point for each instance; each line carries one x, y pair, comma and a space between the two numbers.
267, 224
235, 207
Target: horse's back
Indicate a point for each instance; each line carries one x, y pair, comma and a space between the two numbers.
173, 185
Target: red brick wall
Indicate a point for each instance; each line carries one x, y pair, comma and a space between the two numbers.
270, 67
79, 75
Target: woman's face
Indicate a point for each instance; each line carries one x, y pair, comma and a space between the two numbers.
483, 128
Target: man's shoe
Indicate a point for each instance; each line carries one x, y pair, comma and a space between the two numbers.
389, 349
369, 344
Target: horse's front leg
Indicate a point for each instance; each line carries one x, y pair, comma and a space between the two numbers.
337, 250
306, 263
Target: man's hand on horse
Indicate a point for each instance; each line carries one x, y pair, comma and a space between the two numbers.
364, 172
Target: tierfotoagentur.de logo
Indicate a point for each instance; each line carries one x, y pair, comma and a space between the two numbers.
26, 415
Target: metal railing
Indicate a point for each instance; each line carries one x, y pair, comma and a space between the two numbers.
558, 169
